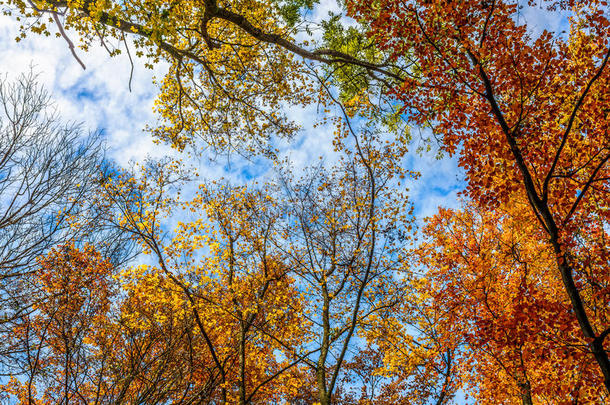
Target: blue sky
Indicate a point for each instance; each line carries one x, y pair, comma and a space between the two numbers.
100, 98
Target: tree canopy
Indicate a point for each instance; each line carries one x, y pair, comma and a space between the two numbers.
319, 287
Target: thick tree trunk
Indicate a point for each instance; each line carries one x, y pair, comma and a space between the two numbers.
596, 343
526, 393
242, 365
541, 209
323, 395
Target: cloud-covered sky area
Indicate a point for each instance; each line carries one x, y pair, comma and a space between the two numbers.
100, 98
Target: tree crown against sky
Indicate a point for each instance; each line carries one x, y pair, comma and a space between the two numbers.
525, 111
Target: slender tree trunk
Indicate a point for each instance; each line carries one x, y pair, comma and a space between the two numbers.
242, 364
323, 395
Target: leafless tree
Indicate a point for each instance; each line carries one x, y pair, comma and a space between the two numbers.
48, 170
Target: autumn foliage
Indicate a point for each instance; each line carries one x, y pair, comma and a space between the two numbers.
318, 287
527, 113
504, 301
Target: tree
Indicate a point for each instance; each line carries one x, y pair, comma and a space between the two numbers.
73, 291
233, 65
528, 115
492, 277
221, 280
48, 171
344, 234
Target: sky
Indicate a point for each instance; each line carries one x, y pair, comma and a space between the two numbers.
100, 98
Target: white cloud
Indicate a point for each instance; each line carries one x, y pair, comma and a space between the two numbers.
538, 18
99, 96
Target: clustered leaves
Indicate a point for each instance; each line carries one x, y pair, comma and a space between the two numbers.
312, 289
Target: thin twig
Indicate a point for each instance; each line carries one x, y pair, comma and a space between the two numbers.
130, 59
70, 43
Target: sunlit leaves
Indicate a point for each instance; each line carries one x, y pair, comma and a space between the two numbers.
503, 303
